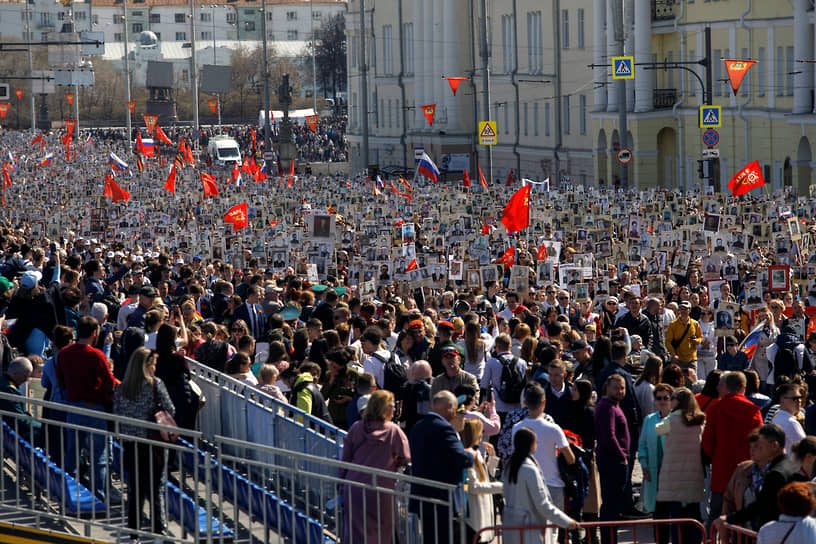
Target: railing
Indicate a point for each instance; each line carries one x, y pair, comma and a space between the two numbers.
685, 531
725, 533
663, 10
208, 491
664, 98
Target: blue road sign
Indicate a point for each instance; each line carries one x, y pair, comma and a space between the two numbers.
710, 116
711, 137
623, 68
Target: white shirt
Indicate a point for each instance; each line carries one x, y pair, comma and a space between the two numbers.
376, 367
492, 378
793, 430
773, 532
550, 439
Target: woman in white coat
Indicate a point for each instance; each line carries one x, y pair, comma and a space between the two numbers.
527, 501
479, 487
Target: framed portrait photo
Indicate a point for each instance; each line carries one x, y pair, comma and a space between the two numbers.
778, 278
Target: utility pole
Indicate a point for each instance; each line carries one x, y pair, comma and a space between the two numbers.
31, 66
623, 129
267, 128
193, 68
364, 87
127, 76
484, 53
314, 64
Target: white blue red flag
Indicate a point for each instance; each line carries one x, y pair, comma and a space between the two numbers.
117, 163
46, 160
427, 167
750, 343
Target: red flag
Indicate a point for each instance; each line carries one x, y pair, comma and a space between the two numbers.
6, 177
429, 111
161, 136
113, 190
516, 215
510, 180
407, 195
508, 258
188, 155
253, 166
411, 266
237, 215
736, 71
252, 133
67, 150
542, 252
481, 176
213, 104
150, 123
139, 143
235, 172
4, 107
408, 185
170, 184
486, 229
208, 181
746, 179
312, 120
70, 98
259, 175
131, 106
181, 156
19, 93
70, 125
454, 83
466, 180
38, 139
291, 173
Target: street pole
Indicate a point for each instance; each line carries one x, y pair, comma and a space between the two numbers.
623, 129
127, 77
484, 53
194, 68
267, 129
314, 65
364, 86
30, 68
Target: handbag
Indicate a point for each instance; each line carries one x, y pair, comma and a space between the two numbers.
162, 417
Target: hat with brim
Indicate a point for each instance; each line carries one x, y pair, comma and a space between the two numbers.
449, 349
30, 279
290, 313
319, 288
340, 290
147, 291
5, 284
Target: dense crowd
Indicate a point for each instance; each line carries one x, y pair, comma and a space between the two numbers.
657, 329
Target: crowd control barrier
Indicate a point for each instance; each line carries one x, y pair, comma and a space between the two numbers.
647, 531
725, 533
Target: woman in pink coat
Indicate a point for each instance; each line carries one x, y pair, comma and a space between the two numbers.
376, 442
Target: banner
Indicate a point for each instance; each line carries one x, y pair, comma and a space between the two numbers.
150, 123
4, 107
429, 111
131, 106
19, 93
736, 72
70, 98
454, 83
312, 120
213, 104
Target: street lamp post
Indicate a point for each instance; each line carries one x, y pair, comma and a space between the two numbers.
267, 128
314, 69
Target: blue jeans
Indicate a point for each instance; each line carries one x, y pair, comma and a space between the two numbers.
95, 442
614, 476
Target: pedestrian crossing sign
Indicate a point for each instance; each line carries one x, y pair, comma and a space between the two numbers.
623, 68
710, 116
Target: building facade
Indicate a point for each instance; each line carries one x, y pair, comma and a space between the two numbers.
771, 119
539, 84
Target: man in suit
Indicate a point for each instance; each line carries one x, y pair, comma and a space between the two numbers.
771, 470
437, 454
252, 313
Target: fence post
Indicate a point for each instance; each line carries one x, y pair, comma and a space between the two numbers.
208, 491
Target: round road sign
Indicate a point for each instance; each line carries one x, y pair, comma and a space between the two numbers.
624, 156
711, 137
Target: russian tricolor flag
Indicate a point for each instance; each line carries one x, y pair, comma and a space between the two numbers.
147, 147
427, 167
117, 163
47, 159
750, 343
12, 161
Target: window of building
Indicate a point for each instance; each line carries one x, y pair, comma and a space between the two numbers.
580, 29
181, 36
206, 35
762, 73
717, 54
526, 131
118, 19
185, 74
508, 43
390, 114
291, 15
205, 17
789, 69
155, 18
564, 29
95, 19
388, 50
81, 16
408, 47
179, 17
398, 112
534, 43
546, 119
582, 106
249, 26
117, 37
231, 17
137, 27
60, 16
291, 34
780, 71
316, 15
535, 118
137, 13
250, 12
565, 114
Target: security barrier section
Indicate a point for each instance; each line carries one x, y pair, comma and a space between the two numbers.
17, 534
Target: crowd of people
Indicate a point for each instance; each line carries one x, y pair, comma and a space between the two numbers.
535, 370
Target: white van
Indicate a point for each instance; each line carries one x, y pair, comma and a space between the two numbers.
224, 150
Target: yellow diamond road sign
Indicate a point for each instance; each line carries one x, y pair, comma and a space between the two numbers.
487, 133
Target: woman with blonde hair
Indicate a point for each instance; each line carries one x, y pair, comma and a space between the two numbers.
479, 486
520, 333
681, 485
136, 398
767, 337
374, 441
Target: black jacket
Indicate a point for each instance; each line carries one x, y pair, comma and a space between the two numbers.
639, 325
764, 509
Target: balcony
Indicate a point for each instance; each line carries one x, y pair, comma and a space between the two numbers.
664, 98
663, 10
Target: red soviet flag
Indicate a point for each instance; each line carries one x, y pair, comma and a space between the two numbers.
237, 215
170, 184
466, 180
481, 176
510, 180
542, 251
516, 215
411, 266
508, 258
113, 190
746, 179
208, 181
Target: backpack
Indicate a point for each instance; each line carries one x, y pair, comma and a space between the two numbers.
512, 381
785, 363
394, 374
575, 476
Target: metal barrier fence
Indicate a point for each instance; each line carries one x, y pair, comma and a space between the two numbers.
242, 412
725, 533
202, 491
647, 531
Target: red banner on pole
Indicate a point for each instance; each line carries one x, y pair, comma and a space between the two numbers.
4, 107
429, 111
150, 123
736, 72
213, 104
454, 83
70, 98
19, 93
131, 106
312, 120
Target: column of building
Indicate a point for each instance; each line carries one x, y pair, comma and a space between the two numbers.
802, 49
644, 86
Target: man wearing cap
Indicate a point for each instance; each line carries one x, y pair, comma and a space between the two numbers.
732, 358
683, 337
419, 351
251, 312
453, 375
147, 295
444, 338
271, 303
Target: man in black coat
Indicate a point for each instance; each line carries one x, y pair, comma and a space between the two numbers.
634, 321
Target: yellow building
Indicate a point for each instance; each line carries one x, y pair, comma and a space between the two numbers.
540, 84
770, 120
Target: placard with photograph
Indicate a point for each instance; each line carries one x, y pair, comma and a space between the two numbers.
778, 278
